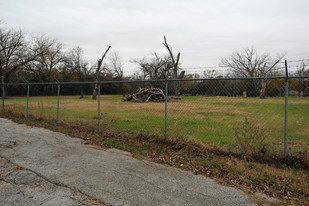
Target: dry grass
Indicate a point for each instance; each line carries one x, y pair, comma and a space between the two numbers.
154, 107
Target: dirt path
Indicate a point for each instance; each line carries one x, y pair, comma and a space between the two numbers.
41, 167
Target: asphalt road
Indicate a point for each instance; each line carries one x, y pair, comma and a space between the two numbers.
41, 167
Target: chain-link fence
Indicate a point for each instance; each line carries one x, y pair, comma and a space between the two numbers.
215, 111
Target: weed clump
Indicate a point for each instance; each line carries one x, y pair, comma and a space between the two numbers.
250, 138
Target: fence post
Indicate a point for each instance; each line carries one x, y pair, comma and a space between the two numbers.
58, 97
3, 109
28, 91
286, 110
99, 107
165, 125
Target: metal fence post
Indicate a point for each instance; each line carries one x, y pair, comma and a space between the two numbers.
3, 108
58, 97
99, 107
286, 110
28, 91
165, 125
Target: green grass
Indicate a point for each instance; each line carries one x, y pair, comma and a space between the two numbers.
210, 119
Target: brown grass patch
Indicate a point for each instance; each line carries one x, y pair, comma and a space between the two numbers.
175, 108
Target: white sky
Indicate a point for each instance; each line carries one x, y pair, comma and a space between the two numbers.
203, 31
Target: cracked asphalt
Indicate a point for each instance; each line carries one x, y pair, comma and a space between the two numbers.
19, 186
41, 167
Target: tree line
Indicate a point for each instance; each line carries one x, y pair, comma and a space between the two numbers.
43, 59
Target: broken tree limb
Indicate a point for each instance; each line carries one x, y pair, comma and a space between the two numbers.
100, 61
146, 95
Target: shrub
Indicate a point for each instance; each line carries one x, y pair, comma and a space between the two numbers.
250, 138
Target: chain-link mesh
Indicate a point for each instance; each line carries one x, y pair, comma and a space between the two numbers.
134, 115
216, 111
298, 116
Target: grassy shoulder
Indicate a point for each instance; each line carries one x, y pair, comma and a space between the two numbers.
283, 178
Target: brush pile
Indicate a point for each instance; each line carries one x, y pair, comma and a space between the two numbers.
146, 95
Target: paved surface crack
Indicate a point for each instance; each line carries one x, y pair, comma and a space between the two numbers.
60, 170
22, 182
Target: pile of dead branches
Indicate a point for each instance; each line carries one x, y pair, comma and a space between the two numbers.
146, 95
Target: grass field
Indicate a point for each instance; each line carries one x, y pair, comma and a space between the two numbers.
212, 120
209, 119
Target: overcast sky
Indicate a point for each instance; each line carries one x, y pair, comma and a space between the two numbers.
203, 31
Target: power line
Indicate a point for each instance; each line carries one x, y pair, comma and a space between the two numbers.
217, 67
201, 69
300, 60
206, 67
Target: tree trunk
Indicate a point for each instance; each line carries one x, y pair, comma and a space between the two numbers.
244, 94
81, 92
178, 83
177, 88
94, 92
175, 70
263, 89
100, 61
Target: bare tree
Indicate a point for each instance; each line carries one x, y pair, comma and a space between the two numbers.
175, 67
75, 64
13, 48
156, 67
97, 72
210, 74
248, 63
53, 54
302, 84
49, 60
114, 66
15, 52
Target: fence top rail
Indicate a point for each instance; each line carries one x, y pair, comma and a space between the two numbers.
152, 80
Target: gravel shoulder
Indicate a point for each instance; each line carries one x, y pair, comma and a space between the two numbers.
41, 167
